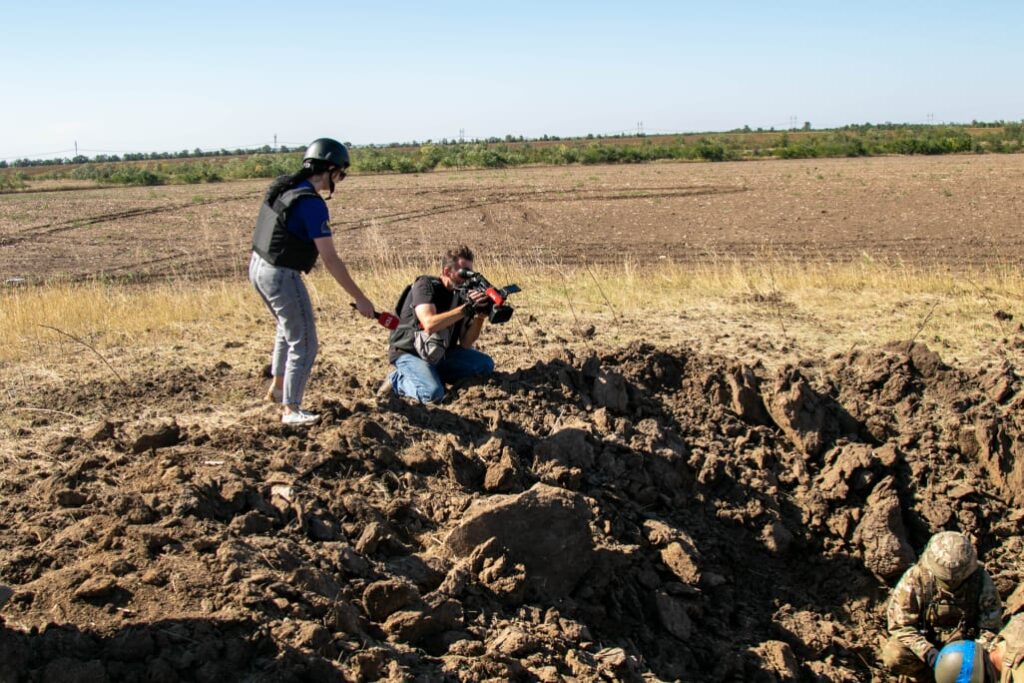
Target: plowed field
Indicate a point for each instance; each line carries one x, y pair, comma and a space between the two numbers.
952, 210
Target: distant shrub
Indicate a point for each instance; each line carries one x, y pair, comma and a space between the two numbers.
932, 141
131, 175
117, 174
404, 165
261, 166
192, 174
11, 180
710, 151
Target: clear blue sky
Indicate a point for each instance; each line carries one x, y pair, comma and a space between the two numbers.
165, 76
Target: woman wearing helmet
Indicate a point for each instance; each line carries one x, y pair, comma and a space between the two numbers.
292, 230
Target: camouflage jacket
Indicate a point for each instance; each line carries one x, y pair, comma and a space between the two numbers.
922, 615
1012, 640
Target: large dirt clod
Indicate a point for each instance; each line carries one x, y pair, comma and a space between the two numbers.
680, 560
160, 435
383, 598
413, 625
95, 587
1001, 453
539, 528
799, 411
610, 391
776, 658
568, 446
746, 398
882, 535
673, 615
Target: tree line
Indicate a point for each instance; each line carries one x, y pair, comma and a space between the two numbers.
848, 141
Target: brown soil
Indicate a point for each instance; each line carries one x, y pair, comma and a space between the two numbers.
955, 210
633, 513
735, 508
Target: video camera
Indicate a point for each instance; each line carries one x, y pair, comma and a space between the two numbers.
497, 310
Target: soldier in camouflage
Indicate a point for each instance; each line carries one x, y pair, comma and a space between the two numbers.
1007, 653
946, 596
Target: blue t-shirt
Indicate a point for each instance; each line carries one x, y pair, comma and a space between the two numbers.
308, 218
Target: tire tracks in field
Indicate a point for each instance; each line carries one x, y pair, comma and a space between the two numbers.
546, 196
186, 267
205, 266
56, 227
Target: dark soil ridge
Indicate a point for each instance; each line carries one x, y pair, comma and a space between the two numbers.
643, 514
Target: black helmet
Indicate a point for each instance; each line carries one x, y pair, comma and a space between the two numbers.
963, 661
325, 152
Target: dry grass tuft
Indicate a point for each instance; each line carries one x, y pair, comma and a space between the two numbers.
820, 307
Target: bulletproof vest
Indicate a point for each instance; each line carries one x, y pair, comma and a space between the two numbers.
272, 240
952, 615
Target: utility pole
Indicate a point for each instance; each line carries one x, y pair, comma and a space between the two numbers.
639, 128
76, 148
462, 135
275, 140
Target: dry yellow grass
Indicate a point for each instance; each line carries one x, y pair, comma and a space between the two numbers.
813, 308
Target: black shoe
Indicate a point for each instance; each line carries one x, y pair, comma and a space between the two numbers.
385, 390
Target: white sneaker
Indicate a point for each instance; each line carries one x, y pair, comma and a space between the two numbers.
300, 418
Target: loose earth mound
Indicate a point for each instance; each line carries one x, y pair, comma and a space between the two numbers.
645, 513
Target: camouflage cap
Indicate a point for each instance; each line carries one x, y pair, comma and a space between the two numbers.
950, 557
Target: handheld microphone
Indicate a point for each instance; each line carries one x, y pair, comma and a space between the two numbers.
386, 320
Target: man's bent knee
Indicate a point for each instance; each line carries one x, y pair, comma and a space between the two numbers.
901, 660
430, 394
480, 364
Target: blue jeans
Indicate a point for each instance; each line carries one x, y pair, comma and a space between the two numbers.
418, 379
295, 343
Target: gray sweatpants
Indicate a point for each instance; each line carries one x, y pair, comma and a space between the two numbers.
295, 345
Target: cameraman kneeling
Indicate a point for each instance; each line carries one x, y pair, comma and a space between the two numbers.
438, 325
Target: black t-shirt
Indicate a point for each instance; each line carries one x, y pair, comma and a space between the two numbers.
428, 290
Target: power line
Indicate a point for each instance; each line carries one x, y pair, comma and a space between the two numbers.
36, 155
76, 149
